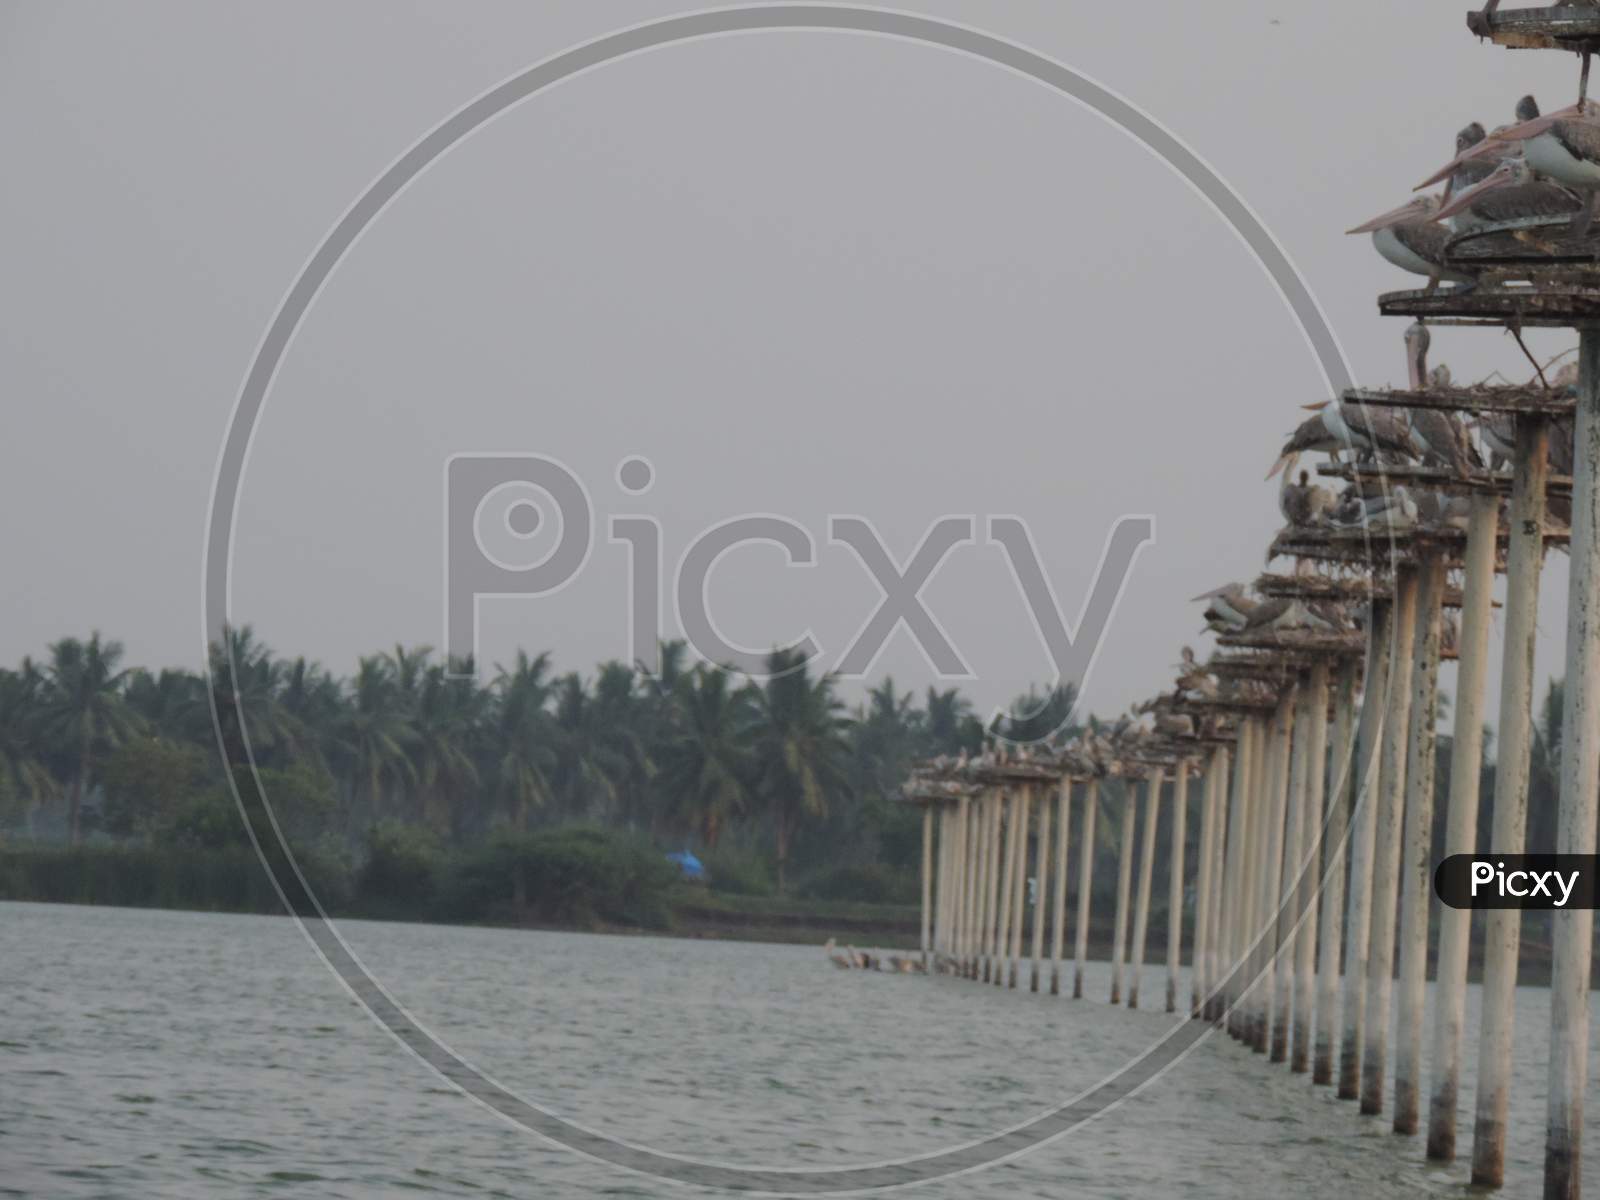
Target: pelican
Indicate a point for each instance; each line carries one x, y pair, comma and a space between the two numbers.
1411, 239
1563, 146
1304, 503
1229, 608
1435, 436
1499, 434
1393, 510
838, 960
1284, 613
1477, 155
1510, 192
1440, 510
1370, 432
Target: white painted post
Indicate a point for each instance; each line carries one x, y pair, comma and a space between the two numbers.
1304, 867
927, 885
1572, 930
1502, 940
966, 842
1201, 972
1461, 822
1366, 786
1341, 769
1233, 883
1091, 805
1180, 805
1041, 872
1119, 936
1019, 900
1416, 876
1058, 913
1147, 869
1285, 854
1216, 969
986, 807
1386, 845
1002, 939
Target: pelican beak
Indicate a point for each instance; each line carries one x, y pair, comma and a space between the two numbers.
1529, 129
1503, 176
1470, 154
1414, 210
1286, 461
1317, 407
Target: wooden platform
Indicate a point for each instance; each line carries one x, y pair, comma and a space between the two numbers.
1564, 27
1438, 479
1526, 399
1351, 590
1557, 302
1526, 242
1306, 641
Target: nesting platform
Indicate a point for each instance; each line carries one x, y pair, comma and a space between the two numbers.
1439, 479
1564, 27
1527, 400
1523, 242
1306, 641
1557, 300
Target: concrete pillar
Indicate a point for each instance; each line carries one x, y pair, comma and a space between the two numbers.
1417, 853
1125, 839
1019, 900
1216, 968
1041, 896
1571, 931
1366, 787
1307, 876
1147, 868
1503, 927
1386, 845
1340, 772
1058, 906
969, 887
1232, 943
1080, 954
927, 885
1461, 822
1285, 855
1180, 806
1002, 934
990, 809
1201, 971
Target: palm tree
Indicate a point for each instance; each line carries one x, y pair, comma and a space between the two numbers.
523, 736
376, 732
85, 713
802, 754
949, 725
22, 744
706, 762
447, 723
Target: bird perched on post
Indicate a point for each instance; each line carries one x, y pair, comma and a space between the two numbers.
1436, 436
1368, 433
1304, 503
1229, 608
1393, 509
1411, 238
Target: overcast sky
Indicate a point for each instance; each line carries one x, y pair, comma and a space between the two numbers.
802, 273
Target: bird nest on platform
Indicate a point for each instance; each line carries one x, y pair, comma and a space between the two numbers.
1307, 641
1437, 479
1530, 399
1523, 298
1564, 27
1344, 589
1372, 549
1263, 665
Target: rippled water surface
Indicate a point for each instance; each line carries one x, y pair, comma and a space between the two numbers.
181, 1054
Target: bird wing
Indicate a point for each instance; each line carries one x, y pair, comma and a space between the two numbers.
1580, 138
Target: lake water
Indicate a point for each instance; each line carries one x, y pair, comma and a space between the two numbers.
183, 1054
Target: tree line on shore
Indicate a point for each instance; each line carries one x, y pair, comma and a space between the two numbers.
777, 776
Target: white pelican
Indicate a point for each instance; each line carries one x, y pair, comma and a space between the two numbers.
1436, 436
1410, 238
1229, 608
1510, 192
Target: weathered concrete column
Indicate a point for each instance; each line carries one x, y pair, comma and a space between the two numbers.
1147, 868
1306, 876
1572, 930
989, 823
1461, 821
941, 888
1285, 854
1232, 944
1080, 952
969, 886
1041, 872
1502, 940
1386, 845
927, 886
1058, 907
1216, 970
1416, 875
1340, 772
1125, 839
1019, 901
1002, 934
1259, 803
1366, 787
1201, 954
1180, 806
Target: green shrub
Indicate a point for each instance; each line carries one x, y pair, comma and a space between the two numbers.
872, 883
738, 873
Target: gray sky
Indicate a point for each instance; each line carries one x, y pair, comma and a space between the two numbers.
802, 273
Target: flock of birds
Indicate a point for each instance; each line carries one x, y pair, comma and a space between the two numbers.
1542, 169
